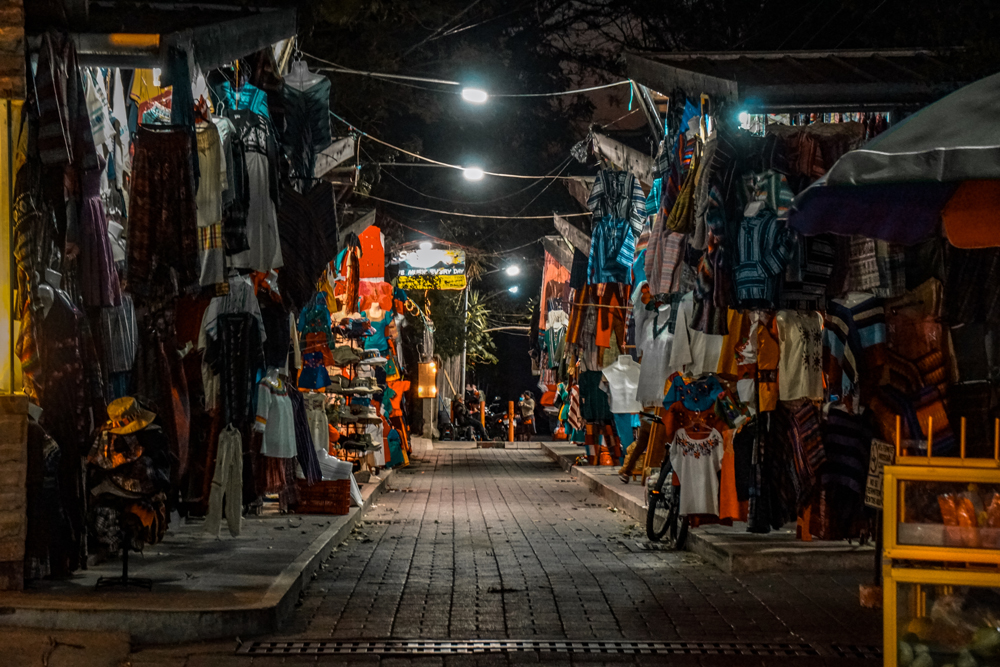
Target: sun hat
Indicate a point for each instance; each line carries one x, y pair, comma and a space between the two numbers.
125, 416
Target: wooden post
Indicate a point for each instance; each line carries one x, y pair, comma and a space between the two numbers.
930, 435
482, 413
510, 421
961, 442
899, 436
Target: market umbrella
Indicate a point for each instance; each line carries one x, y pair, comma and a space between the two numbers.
941, 163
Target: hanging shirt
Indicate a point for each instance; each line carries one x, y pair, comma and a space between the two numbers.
619, 207
697, 462
692, 351
653, 340
854, 343
275, 419
800, 368
762, 252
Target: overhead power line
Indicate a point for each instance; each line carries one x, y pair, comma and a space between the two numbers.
470, 215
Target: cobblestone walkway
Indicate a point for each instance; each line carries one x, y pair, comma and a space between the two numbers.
503, 544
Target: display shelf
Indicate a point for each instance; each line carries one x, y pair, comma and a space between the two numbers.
953, 615
943, 514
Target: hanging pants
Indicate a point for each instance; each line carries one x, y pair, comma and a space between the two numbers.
227, 484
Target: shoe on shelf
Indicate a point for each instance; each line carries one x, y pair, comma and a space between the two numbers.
345, 355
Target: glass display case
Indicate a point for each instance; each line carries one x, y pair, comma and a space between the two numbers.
951, 616
936, 513
941, 567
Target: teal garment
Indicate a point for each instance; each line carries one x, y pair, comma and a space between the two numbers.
250, 97
593, 401
377, 340
624, 426
395, 444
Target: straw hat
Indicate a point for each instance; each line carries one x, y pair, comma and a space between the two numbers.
126, 416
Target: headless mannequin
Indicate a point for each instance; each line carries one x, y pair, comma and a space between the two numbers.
48, 290
300, 78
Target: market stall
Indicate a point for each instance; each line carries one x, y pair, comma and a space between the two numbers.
198, 340
773, 354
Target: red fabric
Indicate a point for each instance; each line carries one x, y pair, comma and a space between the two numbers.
372, 254
372, 291
972, 217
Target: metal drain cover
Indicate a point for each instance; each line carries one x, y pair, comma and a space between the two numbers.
416, 647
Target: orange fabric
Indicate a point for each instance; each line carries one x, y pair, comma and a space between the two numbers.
372, 254
972, 216
555, 284
732, 343
376, 291
730, 506
400, 387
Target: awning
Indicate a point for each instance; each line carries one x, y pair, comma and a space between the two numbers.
786, 81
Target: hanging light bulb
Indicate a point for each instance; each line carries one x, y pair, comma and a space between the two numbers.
473, 173
512, 270
426, 245
474, 95
512, 289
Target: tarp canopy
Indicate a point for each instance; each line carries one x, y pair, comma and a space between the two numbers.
897, 187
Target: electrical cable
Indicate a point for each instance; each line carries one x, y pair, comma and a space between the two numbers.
560, 167
470, 215
395, 78
355, 128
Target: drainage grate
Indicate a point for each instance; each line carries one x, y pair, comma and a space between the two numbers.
563, 481
412, 647
863, 651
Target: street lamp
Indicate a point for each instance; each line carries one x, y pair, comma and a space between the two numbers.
512, 270
474, 95
473, 173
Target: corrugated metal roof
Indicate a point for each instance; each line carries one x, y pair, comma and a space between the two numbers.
801, 80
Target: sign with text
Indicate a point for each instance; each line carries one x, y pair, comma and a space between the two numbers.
431, 268
881, 456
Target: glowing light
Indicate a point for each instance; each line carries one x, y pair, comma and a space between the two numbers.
512, 270
473, 173
513, 289
474, 95
426, 245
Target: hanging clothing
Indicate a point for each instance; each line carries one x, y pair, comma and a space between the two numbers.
304, 224
98, 277
162, 226
118, 336
212, 185
305, 448
307, 125
762, 250
261, 154
854, 345
275, 419
236, 197
697, 462
593, 402
227, 485
619, 207
800, 369
692, 351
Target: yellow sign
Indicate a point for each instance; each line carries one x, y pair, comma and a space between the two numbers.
431, 282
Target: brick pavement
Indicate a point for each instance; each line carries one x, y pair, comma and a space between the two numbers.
504, 544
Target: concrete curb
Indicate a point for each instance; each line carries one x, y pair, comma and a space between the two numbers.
732, 552
150, 626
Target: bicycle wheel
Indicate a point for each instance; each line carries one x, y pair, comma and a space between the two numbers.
661, 512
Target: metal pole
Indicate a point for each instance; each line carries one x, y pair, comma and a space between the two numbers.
510, 421
465, 339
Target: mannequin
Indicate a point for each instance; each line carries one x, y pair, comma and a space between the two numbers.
623, 379
300, 78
